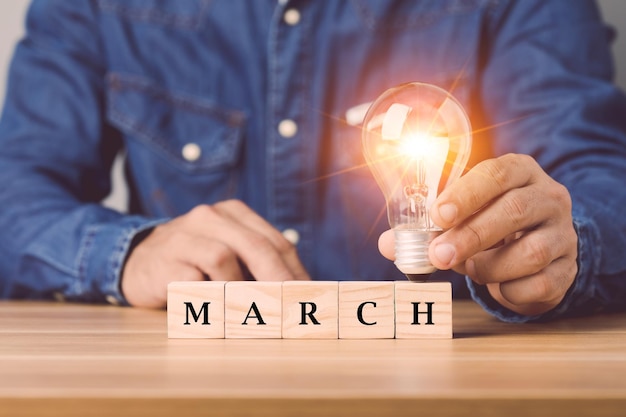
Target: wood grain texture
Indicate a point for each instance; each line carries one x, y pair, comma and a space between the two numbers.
423, 310
366, 310
253, 310
318, 317
59, 359
195, 309
308, 310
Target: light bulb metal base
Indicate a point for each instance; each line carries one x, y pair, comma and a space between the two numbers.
412, 252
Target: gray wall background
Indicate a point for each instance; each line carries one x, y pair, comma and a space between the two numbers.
614, 12
12, 14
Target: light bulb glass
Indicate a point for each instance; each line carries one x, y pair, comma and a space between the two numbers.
416, 140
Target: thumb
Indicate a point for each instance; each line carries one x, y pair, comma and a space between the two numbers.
386, 245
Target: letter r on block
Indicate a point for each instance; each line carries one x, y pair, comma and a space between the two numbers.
310, 310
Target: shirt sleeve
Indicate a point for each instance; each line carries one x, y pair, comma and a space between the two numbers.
56, 152
547, 85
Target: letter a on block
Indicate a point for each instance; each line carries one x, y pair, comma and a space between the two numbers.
423, 310
253, 310
366, 310
310, 310
195, 310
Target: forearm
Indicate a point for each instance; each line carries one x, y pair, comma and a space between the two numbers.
71, 253
561, 108
56, 154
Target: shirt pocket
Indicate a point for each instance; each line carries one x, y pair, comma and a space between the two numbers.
182, 148
399, 15
186, 14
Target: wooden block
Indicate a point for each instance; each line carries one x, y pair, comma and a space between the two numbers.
253, 310
195, 310
310, 310
423, 310
366, 310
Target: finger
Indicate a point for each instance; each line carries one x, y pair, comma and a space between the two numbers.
386, 245
518, 258
213, 258
518, 209
238, 212
486, 181
531, 309
172, 245
537, 293
259, 254
255, 250
162, 257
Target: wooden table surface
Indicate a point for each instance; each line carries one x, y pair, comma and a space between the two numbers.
81, 360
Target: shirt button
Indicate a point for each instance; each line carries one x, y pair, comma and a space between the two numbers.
287, 128
292, 17
191, 152
292, 236
112, 300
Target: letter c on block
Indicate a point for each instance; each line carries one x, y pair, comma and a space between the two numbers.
359, 313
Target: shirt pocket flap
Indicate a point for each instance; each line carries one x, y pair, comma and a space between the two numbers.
187, 14
191, 133
399, 15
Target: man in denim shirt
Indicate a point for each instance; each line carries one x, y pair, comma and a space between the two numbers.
240, 159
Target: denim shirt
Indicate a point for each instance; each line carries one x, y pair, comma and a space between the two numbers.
259, 101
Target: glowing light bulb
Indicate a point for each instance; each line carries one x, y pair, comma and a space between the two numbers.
416, 140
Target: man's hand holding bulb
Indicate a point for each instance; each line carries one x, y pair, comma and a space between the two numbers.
507, 224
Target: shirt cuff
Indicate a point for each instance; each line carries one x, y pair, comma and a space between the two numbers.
579, 299
103, 253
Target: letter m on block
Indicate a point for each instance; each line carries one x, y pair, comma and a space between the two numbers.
204, 310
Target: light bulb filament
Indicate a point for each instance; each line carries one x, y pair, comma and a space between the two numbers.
417, 140
417, 195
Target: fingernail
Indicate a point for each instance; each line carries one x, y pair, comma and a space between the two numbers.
444, 252
448, 212
470, 268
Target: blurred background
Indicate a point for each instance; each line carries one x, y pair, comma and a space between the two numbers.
12, 15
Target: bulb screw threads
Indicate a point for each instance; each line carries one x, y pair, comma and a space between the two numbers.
412, 252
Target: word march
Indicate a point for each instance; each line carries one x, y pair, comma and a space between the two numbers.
309, 310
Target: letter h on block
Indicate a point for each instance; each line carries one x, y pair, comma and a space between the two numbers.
423, 310
310, 310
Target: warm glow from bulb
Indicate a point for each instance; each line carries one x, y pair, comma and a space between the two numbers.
416, 140
421, 145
